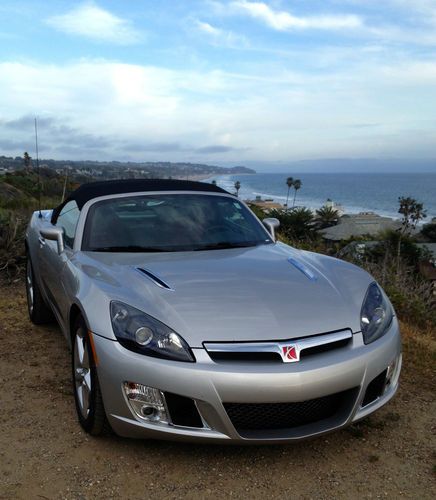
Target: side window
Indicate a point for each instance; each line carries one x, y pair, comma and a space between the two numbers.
68, 221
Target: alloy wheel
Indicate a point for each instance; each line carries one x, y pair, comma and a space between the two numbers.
29, 286
82, 373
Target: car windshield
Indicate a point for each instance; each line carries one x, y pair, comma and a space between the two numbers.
171, 223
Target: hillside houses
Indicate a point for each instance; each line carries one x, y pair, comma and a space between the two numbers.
358, 225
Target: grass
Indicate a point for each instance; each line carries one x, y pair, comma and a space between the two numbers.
419, 349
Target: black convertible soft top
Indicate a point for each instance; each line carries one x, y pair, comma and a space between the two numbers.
93, 190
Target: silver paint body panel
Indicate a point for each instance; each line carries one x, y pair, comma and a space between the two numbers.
235, 295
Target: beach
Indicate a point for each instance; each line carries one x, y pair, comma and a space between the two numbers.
355, 192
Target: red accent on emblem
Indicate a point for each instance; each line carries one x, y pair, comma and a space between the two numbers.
289, 352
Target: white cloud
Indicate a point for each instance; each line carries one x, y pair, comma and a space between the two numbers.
208, 28
415, 25
284, 21
278, 115
416, 73
220, 37
91, 21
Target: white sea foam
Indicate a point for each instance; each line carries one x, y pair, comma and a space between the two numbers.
372, 193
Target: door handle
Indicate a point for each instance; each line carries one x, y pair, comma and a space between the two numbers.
41, 241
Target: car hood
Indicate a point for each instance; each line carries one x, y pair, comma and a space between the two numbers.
268, 292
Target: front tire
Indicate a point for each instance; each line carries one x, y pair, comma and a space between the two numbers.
87, 394
39, 312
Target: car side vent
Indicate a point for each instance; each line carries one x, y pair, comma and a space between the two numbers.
375, 389
156, 280
303, 268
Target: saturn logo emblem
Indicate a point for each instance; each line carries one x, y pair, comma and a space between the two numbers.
290, 354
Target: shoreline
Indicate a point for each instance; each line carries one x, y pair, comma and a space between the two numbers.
199, 177
249, 191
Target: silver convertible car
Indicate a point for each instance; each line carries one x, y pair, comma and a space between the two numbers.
188, 320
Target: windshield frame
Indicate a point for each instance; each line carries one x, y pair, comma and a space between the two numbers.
86, 208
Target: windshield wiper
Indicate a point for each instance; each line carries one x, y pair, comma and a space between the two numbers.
136, 248
128, 248
225, 244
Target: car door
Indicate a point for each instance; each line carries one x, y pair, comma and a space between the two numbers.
54, 266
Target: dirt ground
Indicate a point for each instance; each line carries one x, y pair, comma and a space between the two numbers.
45, 454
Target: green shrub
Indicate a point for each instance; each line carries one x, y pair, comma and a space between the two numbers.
297, 224
12, 229
429, 231
411, 295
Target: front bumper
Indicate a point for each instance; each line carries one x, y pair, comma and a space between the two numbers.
210, 384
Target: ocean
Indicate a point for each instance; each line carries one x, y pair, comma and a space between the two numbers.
356, 192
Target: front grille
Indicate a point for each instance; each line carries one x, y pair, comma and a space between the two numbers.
269, 416
272, 351
324, 348
266, 357
273, 357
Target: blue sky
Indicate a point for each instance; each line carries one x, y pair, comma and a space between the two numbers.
224, 82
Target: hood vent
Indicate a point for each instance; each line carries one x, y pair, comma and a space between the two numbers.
304, 269
156, 280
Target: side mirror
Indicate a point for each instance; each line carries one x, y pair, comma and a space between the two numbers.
271, 224
54, 234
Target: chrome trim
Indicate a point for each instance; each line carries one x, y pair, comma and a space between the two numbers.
154, 278
280, 347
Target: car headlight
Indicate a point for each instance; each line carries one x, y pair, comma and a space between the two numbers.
376, 315
141, 333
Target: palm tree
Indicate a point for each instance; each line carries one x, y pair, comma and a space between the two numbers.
297, 186
289, 183
301, 222
327, 216
237, 187
297, 224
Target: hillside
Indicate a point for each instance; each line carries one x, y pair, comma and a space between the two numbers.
10, 194
116, 169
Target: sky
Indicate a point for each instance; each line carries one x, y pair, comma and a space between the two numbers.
219, 81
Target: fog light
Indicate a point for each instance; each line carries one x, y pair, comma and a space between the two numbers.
146, 402
148, 411
393, 373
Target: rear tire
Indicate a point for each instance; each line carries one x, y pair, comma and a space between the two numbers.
39, 311
87, 393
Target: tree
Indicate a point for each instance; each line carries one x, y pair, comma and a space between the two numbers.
297, 224
387, 247
327, 216
237, 187
214, 182
297, 186
27, 160
429, 231
289, 183
412, 212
